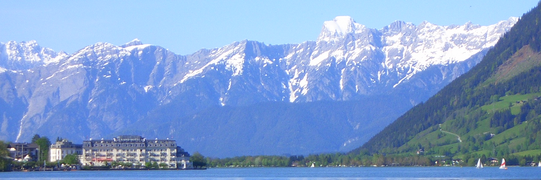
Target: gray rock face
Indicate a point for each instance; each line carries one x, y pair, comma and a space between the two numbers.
103, 88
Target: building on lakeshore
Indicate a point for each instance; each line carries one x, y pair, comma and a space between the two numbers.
23, 151
134, 149
60, 149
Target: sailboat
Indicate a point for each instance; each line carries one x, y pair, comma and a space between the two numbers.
313, 165
539, 164
479, 164
503, 164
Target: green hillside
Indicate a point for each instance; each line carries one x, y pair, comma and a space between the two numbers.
494, 110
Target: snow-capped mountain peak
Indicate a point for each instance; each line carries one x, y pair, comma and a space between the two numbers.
338, 28
103, 51
134, 42
340, 25
397, 26
25, 55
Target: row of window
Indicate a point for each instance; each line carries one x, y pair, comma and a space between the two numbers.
70, 151
129, 145
141, 161
133, 150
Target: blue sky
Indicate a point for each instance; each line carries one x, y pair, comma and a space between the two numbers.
187, 26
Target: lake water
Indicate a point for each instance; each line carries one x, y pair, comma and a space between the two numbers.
294, 173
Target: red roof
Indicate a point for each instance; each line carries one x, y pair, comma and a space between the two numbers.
102, 159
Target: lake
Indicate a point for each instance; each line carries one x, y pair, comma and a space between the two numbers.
294, 173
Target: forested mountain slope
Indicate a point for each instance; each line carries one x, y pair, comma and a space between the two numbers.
493, 110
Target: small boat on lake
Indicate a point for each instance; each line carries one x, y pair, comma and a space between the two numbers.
479, 164
503, 164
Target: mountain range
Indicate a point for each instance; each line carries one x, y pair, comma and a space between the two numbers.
245, 98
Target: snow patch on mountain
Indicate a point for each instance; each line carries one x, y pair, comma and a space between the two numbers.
232, 56
134, 42
137, 47
317, 59
148, 88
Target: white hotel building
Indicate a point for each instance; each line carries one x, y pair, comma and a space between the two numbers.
134, 149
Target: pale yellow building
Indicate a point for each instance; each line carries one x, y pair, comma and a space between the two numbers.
60, 149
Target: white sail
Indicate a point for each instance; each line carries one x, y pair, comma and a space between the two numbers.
539, 164
479, 164
503, 164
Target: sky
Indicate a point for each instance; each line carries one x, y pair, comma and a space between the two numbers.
185, 26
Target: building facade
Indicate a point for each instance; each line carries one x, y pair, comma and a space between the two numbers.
23, 151
60, 149
133, 149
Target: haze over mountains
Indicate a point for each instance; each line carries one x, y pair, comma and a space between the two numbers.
236, 100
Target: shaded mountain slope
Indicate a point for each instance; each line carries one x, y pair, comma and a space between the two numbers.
279, 128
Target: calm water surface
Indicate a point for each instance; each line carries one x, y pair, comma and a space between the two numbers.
295, 173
